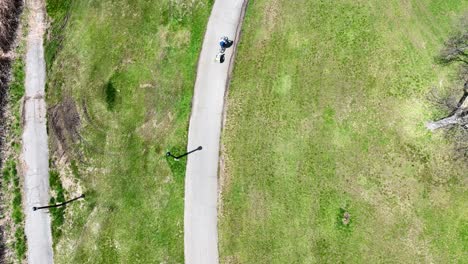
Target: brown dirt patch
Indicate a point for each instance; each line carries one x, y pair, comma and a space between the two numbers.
9, 14
64, 126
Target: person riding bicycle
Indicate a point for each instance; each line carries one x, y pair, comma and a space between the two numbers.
225, 43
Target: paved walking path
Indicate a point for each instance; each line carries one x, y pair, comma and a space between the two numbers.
35, 147
201, 183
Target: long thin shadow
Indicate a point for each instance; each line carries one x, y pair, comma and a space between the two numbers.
58, 205
169, 154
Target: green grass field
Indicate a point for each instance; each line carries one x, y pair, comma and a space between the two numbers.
128, 68
326, 115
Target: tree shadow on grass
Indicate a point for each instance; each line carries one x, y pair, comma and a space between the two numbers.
177, 166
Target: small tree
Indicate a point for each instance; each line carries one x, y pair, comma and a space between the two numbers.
455, 51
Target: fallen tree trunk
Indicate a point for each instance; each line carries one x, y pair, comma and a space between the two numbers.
458, 117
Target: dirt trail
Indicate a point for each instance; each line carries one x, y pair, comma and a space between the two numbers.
35, 151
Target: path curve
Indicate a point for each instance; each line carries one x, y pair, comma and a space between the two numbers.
35, 151
201, 180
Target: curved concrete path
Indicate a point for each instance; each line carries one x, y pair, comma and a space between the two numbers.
201, 182
35, 147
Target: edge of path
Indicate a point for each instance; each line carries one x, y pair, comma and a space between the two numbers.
35, 152
226, 95
206, 121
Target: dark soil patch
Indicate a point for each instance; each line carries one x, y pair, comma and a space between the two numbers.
64, 126
9, 14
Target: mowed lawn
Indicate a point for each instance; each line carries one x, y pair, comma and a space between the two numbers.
326, 115
129, 69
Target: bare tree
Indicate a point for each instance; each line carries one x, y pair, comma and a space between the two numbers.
455, 51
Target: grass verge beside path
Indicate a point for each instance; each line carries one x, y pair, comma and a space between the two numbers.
123, 72
11, 183
327, 157
12, 216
